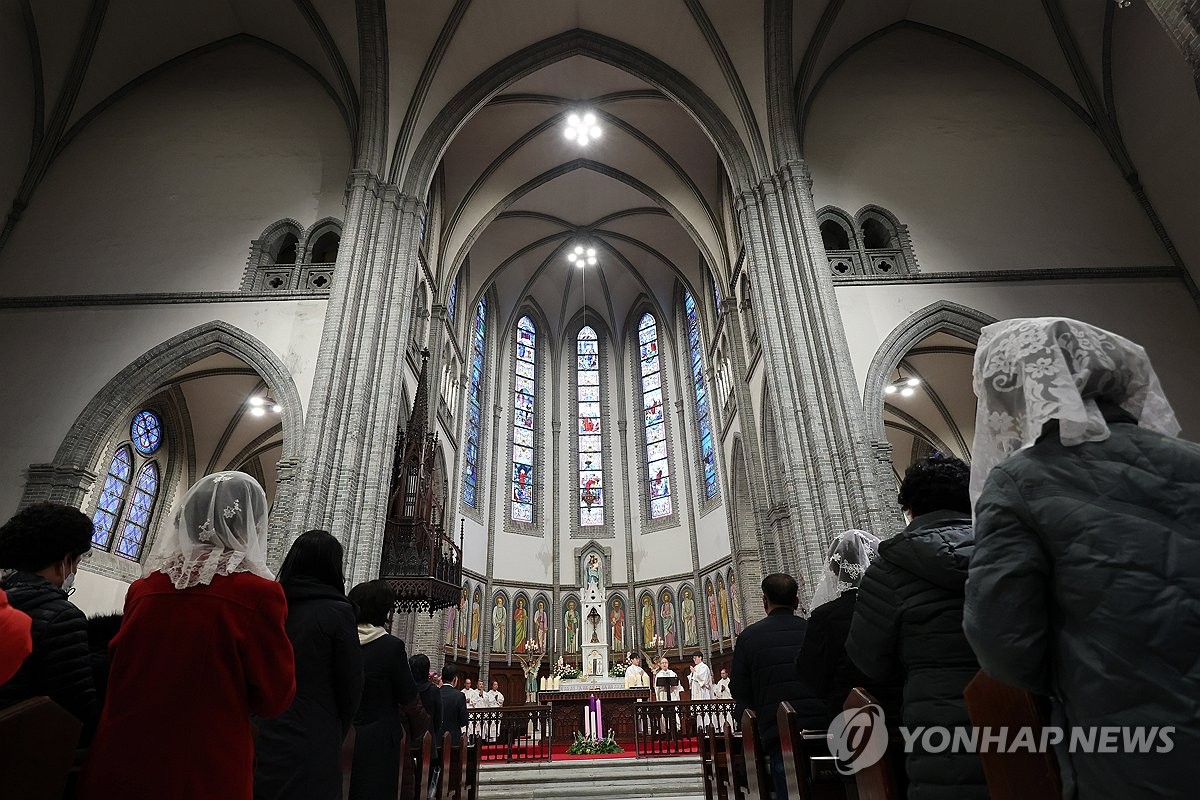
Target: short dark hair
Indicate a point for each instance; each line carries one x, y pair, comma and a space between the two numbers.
633, 656
781, 589
698, 654
449, 673
936, 483
373, 602
419, 664
42, 535
316, 555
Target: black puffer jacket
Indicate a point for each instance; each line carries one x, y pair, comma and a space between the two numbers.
764, 673
60, 666
908, 620
1085, 586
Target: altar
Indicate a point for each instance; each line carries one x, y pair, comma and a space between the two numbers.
569, 707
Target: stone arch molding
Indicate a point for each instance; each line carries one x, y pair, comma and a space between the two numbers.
77, 463
944, 315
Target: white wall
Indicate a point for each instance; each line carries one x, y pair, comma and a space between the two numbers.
98, 594
987, 169
64, 356
166, 188
1159, 315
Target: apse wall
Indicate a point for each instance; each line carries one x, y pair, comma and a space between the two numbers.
166, 188
987, 168
65, 355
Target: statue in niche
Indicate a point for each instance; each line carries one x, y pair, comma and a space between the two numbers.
690, 639
540, 622
571, 623
647, 619
499, 625
592, 572
520, 626
712, 614
475, 612
668, 621
617, 621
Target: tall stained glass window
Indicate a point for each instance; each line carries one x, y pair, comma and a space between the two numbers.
137, 519
475, 405
524, 386
591, 458
116, 486
452, 301
657, 470
703, 412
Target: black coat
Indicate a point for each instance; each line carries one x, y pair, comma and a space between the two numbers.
390, 707
1085, 585
826, 669
431, 699
764, 673
298, 753
60, 666
908, 621
454, 713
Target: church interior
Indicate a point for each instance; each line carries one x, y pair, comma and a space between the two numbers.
680, 289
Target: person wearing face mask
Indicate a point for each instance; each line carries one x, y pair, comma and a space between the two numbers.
40, 551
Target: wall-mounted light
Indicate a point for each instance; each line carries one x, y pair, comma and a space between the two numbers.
905, 388
260, 405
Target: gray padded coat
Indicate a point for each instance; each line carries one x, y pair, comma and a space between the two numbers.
908, 621
1085, 585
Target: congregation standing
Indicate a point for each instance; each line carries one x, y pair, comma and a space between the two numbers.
1064, 560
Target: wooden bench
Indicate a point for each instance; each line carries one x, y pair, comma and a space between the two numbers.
878, 781
1012, 776
723, 764
758, 772
37, 748
808, 767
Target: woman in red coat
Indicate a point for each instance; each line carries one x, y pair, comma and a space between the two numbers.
201, 648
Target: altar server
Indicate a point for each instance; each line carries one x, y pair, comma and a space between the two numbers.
721, 689
700, 683
635, 676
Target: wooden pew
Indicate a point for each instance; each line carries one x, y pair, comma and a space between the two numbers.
758, 771
809, 769
423, 754
1012, 776
735, 764
878, 781
37, 747
708, 761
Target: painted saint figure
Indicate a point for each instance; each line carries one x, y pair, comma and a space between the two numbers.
617, 622
463, 608
451, 623
733, 605
499, 625
714, 630
520, 626
647, 620
723, 596
668, 621
571, 623
475, 611
688, 605
540, 621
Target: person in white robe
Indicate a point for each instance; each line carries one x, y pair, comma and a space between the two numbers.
721, 692
635, 676
474, 700
700, 687
664, 695
493, 699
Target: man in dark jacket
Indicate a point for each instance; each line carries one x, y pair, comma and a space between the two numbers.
44, 543
454, 706
430, 695
908, 620
764, 674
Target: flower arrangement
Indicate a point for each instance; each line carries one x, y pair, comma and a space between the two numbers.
590, 745
617, 670
562, 669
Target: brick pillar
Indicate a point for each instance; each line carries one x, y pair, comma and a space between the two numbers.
1181, 20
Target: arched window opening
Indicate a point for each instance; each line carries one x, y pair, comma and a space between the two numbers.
325, 249
452, 300
112, 498
658, 476
475, 406
137, 520
284, 251
524, 417
591, 458
834, 236
875, 235
708, 459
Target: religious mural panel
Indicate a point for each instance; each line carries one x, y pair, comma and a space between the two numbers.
520, 619
616, 623
687, 616
500, 623
670, 624
714, 629
571, 624
476, 612
735, 607
647, 618
540, 628
723, 605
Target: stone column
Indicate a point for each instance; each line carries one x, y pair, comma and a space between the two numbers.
1181, 20
829, 475
436, 344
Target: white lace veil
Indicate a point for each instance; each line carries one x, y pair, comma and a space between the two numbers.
220, 528
1031, 371
849, 556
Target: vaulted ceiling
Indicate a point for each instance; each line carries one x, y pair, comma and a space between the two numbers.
652, 193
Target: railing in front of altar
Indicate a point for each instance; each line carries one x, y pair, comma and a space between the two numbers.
672, 728
519, 733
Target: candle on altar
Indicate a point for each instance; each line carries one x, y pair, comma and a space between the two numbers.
542, 685
599, 720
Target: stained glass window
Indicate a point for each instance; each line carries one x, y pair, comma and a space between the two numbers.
146, 432
657, 471
452, 303
524, 386
591, 457
108, 510
475, 405
708, 457
137, 518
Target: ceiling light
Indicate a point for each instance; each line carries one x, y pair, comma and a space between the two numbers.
582, 130
256, 401
907, 391
278, 409
259, 405
905, 387
913, 381
582, 255
889, 389
257, 411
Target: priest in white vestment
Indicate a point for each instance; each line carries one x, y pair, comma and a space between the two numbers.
493, 699
474, 700
663, 694
721, 689
700, 687
635, 676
